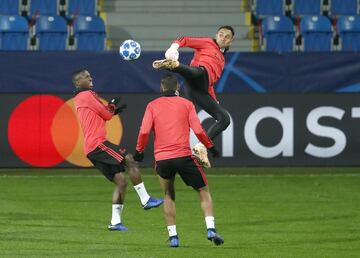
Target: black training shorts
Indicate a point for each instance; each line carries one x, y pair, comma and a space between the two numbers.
188, 168
109, 158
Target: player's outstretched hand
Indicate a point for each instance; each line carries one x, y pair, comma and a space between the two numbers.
214, 152
138, 156
115, 103
120, 109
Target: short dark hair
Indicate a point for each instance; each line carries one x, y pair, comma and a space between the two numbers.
75, 74
227, 27
169, 82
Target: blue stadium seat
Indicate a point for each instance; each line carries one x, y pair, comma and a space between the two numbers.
81, 7
10, 7
316, 33
43, 7
306, 7
51, 33
278, 34
14, 32
343, 7
269, 8
89, 33
349, 33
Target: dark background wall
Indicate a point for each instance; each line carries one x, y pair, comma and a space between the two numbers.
40, 72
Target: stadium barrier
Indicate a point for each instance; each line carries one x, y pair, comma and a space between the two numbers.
41, 130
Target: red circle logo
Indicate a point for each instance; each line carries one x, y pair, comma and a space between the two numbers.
43, 131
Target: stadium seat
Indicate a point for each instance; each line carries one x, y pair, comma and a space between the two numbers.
349, 33
306, 7
81, 7
278, 34
89, 33
51, 33
264, 8
316, 33
14, 32
10, 7
343, 7
43, 7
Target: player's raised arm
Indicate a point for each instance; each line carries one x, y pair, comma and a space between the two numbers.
104, 111
191, 42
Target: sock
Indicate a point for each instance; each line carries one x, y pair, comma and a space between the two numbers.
143, 194
116, 213
210, 222
172, 230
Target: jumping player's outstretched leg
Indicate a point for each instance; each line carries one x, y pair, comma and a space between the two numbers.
222, 121
206, 102
196, 77
197, 82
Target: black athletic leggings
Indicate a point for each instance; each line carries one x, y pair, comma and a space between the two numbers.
198, 83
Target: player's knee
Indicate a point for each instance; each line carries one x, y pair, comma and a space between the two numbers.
204, 189
224, 121
130, 162
122, 184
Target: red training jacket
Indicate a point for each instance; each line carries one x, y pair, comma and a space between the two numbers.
92, 114
170, 118
207, 54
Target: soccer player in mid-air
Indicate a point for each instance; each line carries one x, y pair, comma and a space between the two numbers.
171, 117
109, 158
201, 75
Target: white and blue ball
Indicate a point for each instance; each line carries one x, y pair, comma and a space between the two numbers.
130, 50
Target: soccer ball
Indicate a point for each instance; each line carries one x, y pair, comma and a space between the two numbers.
130, 50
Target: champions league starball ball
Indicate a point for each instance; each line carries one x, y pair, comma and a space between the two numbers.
130, 50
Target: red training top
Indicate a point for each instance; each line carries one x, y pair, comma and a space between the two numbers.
93, 115
207, 54
170, 118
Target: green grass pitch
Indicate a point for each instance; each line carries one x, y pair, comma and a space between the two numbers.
275, 212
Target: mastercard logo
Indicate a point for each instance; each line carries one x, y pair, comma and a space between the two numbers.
43, 131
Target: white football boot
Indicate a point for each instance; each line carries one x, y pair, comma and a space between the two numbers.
200, 152
165, 64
